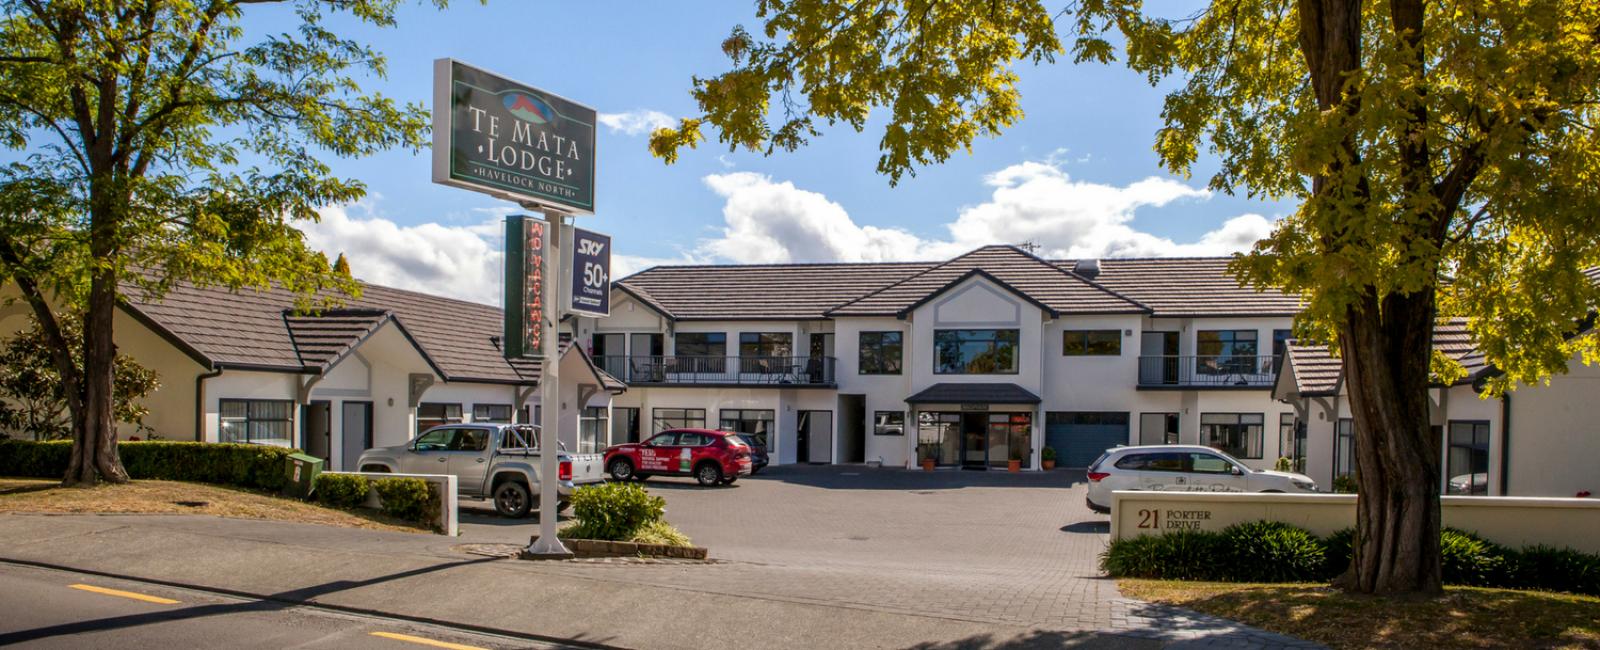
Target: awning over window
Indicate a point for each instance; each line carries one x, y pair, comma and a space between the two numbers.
974, 393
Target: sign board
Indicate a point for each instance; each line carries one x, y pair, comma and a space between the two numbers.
511, 141
591, 273
524, 300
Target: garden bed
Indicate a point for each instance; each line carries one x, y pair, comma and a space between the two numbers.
592, 548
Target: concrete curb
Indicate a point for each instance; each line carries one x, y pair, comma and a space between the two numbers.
468, 627
601, 548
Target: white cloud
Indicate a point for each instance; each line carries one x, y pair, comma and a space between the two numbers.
453, 261
636, 122
773, 221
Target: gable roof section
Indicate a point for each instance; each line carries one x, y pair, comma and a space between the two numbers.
1188, 286
1041, 281
761, 291
258, 330
1317, 373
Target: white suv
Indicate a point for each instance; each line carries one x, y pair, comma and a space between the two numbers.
1181, 468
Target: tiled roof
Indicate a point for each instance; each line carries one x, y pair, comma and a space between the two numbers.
761, 291
323, 338
257, 329
1046, 284
1188, 286
974, 392
1317, 371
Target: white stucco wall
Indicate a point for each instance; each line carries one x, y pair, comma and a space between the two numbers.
1555, 439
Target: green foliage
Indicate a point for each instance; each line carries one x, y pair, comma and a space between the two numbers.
1346, 484
249, 466
411, 499
1337, 558
1048, 453
1553, 569
1467, 559
342, 490
661, 532
1283, 464
32, 399
1270, 551
614, 511
1183, 555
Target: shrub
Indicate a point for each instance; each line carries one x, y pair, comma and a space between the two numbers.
1283, 464
1048, 453
250, 466
1467, 559
1553, 569
1271, 551
614, 511
661, 532
1346, 484
1183, 555
1336, 556
411, 499
342, 490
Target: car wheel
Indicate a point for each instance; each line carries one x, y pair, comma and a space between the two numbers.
511, 500
622, 469
1272, 491
708, 474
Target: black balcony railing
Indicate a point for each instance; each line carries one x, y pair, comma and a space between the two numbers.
1207, 371
756, 371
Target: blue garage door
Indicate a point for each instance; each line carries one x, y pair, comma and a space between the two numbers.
1079, 437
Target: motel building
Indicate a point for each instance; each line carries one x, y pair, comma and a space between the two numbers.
972, 362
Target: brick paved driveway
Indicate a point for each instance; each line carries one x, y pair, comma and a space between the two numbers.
992, 547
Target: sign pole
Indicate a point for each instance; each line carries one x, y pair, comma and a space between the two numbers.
550, 392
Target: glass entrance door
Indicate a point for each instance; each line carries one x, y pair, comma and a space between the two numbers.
974, 440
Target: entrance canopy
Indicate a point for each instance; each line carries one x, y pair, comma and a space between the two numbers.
974, 393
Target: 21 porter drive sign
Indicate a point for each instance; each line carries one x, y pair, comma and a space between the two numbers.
511, 141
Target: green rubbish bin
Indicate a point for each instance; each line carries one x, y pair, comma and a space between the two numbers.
302, 474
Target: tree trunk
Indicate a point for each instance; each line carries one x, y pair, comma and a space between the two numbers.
95, 448
1386, 354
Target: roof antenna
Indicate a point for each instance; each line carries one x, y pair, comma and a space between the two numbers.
1030, 246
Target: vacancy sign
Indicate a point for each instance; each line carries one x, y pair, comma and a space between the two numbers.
511, 141
524, 283
591, 274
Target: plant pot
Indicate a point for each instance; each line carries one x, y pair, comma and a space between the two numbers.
1013, 466
1048, 464
927, 464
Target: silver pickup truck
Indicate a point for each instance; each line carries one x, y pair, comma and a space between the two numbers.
498, 461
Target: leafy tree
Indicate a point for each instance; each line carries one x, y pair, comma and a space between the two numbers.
35, 403
162, 142
1445, 156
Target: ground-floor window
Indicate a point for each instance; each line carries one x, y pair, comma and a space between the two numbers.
257, 421
975, 439
432, 414
1237, 434
492, 413
624, 425
889, 423
669, 418
1344, 448
1157, 429
1468, 458
938, 437
759, 423
594, 423
1010, 438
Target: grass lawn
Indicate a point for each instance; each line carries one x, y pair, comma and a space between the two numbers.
26, 495
1465, 617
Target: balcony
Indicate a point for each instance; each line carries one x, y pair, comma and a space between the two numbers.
1207, 372
781, 372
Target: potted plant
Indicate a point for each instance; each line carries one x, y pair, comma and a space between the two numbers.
1015, 463
1047, 458
930, 454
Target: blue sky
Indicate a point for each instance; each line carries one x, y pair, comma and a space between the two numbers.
1078, 175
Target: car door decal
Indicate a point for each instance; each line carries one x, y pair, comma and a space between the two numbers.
683, 460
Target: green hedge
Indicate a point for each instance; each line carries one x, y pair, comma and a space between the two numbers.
411, 499
1277, 552
341, 490
251, 466
613, 511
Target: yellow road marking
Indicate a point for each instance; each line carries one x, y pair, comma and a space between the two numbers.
422, 641
125, 594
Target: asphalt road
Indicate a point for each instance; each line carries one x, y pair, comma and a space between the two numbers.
58, 609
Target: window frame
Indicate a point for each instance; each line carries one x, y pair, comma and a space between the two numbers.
1344, 430
882, 364
940, 368
879, 425
687, 418
1478, 426
442, 420
1084, 344
477, 408
1260, 425
250, 418
762, 437
710, 344
1230, 359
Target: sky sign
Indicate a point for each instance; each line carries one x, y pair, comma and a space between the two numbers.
511, 141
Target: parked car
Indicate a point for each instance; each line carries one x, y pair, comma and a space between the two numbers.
758, 453
711, 457
493, 461
1474, 483
1182, 468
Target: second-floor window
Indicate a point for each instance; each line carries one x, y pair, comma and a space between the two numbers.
1091, 343
1226, 352
700, 344
765, 351
880, 353
975, 352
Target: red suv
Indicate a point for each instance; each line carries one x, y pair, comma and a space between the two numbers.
711, 457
